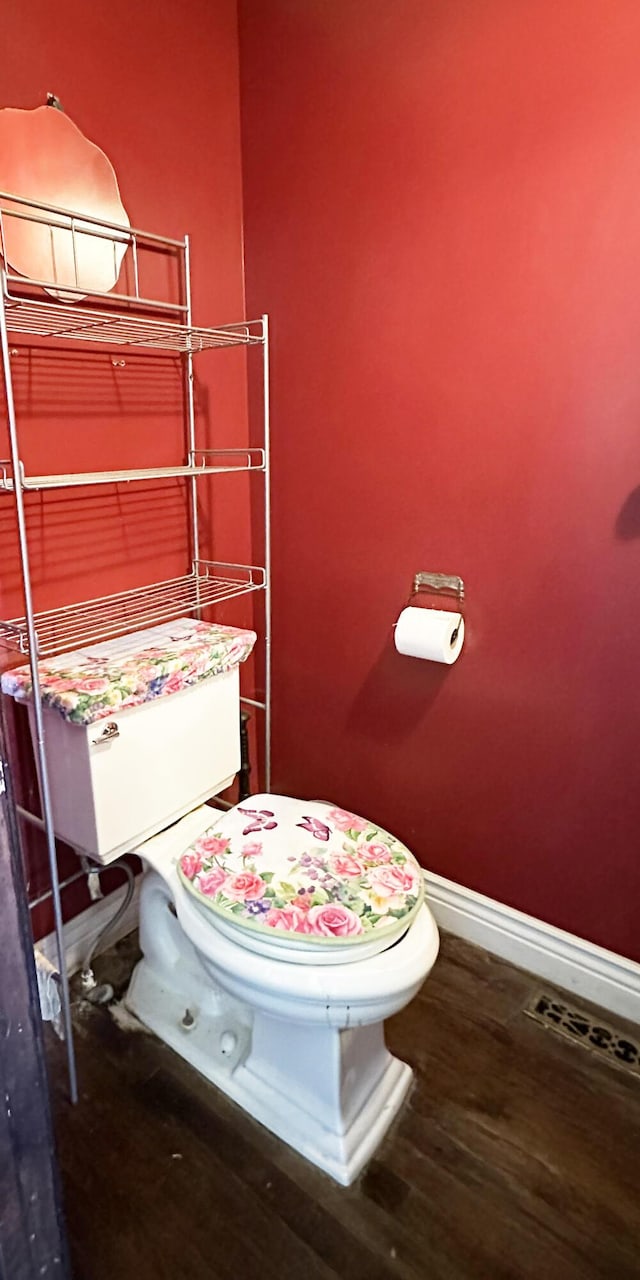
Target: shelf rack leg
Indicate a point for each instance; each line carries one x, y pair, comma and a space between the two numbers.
37, 706
267, 553
191, 412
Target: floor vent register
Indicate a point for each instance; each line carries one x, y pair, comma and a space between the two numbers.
583, 1028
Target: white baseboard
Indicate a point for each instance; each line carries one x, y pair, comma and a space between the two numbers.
578, 966
80, 932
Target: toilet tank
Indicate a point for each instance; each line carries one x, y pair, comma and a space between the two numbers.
138, 731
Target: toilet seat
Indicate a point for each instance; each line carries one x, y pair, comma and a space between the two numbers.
301, 880
279, 978
368, 987
285, 948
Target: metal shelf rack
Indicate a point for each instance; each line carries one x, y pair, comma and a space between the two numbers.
46, 319
254, 460
126, 317
73, 626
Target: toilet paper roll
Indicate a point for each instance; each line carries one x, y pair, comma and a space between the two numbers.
433, 634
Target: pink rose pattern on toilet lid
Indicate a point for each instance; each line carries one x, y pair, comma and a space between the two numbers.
305, 869
100, 680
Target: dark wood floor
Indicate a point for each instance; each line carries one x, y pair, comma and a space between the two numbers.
517, 1156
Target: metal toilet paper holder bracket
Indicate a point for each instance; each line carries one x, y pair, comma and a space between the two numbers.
446, 584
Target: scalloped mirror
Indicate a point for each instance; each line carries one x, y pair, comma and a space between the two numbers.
45, 157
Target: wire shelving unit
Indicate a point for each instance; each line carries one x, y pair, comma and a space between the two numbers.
126, 317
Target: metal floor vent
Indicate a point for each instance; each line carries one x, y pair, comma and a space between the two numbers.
608, 1042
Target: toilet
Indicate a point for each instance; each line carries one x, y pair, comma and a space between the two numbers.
282, 1006
277, 935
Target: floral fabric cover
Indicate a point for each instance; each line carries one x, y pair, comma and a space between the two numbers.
95, 682
303, 868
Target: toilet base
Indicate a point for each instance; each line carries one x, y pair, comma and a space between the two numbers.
330, 1093
215, 1045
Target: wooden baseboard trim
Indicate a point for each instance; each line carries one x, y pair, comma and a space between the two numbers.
581, 967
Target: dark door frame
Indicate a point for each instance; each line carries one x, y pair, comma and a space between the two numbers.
32, 1237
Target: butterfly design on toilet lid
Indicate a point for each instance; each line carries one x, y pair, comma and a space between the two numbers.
304, 871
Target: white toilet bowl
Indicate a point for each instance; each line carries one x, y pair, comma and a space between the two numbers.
290, 1031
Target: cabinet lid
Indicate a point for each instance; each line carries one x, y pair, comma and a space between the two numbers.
91, 683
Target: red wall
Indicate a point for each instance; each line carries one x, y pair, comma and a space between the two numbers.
156, 86
442, 213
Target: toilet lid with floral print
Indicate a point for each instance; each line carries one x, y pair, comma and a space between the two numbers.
304, 872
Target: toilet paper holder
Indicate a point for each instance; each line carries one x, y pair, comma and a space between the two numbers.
446, 584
